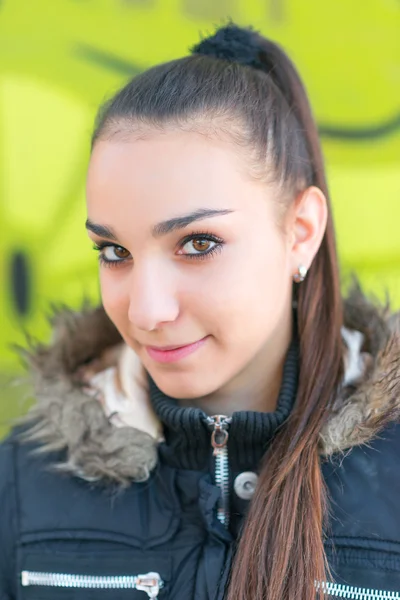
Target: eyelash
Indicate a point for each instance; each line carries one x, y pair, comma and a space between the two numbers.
196, 235
103, 261
203, 235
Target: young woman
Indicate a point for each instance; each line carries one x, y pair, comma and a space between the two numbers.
212, 430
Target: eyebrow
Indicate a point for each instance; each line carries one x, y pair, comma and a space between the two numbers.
175, 223
164, 227
101, 230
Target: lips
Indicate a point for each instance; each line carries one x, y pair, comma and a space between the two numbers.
165, 348
169, 354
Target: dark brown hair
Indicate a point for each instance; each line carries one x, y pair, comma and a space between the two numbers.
261, 105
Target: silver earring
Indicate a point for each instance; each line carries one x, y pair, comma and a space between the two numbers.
300, 275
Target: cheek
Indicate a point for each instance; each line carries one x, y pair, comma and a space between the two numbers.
253, 277
114, 294
254, 294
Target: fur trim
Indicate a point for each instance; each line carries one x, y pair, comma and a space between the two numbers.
364, 408
67, 417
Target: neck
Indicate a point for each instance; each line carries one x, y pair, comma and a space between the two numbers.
187, 434
256, 387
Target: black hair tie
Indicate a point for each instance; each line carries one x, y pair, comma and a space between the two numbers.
233, 43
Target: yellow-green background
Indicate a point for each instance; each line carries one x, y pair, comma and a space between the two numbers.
60, 58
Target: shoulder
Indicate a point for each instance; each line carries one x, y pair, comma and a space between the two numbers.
9, 449
37, 492
9, 514
15, 456
27, 475
364, 490
8, 462
17, 461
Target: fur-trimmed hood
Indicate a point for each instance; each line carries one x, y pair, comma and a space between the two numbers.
69, 417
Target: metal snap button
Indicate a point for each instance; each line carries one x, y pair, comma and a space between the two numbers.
245, 485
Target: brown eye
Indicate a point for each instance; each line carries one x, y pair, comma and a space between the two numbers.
121, 252
114, 254
201, 245
197, 245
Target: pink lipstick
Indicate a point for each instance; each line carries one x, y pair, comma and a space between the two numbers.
173, 354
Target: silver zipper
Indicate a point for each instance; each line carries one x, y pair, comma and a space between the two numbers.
219, 440
151, 583
337, 590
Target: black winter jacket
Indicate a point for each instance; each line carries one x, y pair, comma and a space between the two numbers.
68, 530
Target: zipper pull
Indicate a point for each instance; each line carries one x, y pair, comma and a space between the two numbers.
219, 436
151, 583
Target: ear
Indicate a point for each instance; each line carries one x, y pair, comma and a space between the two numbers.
307, 223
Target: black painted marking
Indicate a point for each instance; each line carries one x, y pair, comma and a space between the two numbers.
106, 60
368, 132
20, 282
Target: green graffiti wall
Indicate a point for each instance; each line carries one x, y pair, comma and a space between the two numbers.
61, 58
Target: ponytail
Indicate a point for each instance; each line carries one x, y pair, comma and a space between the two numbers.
281, 555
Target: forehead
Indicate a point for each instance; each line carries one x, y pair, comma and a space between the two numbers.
163, 175
183, 160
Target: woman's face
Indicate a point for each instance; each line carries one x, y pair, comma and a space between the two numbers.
194, 252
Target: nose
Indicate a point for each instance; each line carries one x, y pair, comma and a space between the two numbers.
153, 298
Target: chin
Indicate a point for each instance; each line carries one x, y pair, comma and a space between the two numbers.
184, 386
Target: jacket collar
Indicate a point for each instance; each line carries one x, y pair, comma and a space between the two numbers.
68, 417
